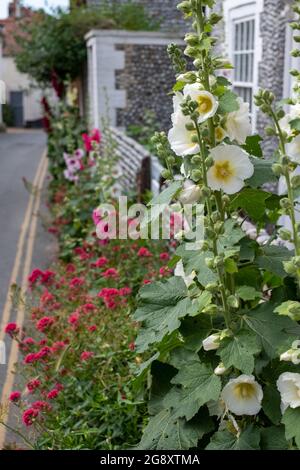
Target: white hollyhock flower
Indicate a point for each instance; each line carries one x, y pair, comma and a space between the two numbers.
181, 139
243, 395
220, 369
293, 113
293, 354
190, 193
288, 385
207, 103
293, 149
231, 167
220, 134
212, 342
238, 125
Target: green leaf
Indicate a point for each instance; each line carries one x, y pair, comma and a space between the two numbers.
238, 351
252, 145
200, 303
247, 249
248, 293
249, 275
223, 81
291, 420
291, 309
252, 201
194, 331
263, 173
230, 266
273, 438
160, 385
271, 404
195, 261
225, 440
159, 203
271, 259
228, 102
200, 385
269, 327
162, 305
165, 432
295, 124
179, 85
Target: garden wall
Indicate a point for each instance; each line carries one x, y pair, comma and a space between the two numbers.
129, 74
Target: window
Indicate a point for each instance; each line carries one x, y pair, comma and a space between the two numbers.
244, 47
243, 58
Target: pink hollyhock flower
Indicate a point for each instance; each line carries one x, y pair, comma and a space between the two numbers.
53, 394
87, 142
33, 385
15, 396
44, 323
12, 329
164, 256
110, 273
144, 252
86, 355
29, 416
79, 153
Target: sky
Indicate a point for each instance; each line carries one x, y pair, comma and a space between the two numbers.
34, 4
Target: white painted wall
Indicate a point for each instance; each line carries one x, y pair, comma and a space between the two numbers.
16, 81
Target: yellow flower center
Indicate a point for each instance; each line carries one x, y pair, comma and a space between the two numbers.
223, 170
244, 391
219, 133
205, 104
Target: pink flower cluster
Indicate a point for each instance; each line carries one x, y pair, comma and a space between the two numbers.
44, 277
112, 297
74, 165
89, 139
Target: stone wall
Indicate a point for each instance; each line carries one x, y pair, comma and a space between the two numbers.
163, 11
131, 72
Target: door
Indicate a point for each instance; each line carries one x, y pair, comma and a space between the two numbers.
16, 103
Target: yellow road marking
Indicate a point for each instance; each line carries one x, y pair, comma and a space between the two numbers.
20, 247
7, 388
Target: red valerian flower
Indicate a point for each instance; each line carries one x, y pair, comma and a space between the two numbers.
89, 307
53, 394
15, 396
110, 273
47, 276
35, 275
71, 268
102, 261
76, 282
86, 355
44, 323
125, 291
28, 341
58, 346
164, 256
144, 252
33, 385
164, 271
41, 405
146, 281
131, 346
44, 352
74, 318
12, 329
30, 358
92, 328
29, 416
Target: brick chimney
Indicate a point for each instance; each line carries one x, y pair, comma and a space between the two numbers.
14, 9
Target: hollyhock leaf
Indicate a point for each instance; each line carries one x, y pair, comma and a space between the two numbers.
271, 259
224, 440
166, 432
273, 438
179, 86
271, 404
161, 375
232, 234
238, 351
295, 124
263, 173
252, 201
291, 309
230, 266
167, 195
249, 275
248, 293
291, 420
228, 103
195, 261
194, 331
180, 356
200, 385
223, 81
270, 328
252, 145
162, 305
200, 303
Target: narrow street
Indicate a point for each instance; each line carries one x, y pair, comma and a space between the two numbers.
22, 155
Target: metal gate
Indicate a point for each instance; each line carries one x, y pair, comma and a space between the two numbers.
16, 103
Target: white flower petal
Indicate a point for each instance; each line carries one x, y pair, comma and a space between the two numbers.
243, 395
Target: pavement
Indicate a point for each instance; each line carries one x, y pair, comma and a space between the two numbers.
24, 244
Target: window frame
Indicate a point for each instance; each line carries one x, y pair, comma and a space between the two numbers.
238, 11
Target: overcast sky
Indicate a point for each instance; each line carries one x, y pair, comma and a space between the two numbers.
33, 3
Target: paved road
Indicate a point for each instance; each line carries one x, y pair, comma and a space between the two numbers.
20, 156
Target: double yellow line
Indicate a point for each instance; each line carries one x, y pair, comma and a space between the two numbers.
29, 226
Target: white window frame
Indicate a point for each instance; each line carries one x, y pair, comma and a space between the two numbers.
290, 62
238, 11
